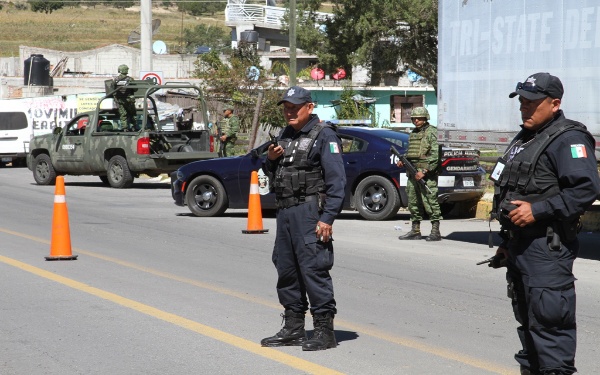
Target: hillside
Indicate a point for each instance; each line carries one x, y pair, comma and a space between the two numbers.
81, 28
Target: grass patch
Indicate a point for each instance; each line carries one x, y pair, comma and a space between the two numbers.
80, 29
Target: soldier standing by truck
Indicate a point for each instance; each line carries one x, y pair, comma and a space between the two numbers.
230, 125
423, 153
124, 98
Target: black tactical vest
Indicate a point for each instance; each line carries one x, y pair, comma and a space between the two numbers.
524, 178
295, 177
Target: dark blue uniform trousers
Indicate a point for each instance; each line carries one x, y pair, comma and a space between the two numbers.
544, 304
302, 262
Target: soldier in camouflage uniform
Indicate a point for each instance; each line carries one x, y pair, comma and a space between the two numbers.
124, 98
230, 125
423, 153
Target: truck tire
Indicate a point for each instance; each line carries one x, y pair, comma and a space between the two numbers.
118, 173
376, 198
206, 196
43, 171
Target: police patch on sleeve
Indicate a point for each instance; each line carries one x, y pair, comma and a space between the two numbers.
578, 151
334, 148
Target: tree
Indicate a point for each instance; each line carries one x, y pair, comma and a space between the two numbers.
232, 81
214, 37
198, 8
384, 36
45, 6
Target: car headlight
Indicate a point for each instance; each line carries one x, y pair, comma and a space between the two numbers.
180, 175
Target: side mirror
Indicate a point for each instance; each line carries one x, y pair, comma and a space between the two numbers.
254, 154
57, 130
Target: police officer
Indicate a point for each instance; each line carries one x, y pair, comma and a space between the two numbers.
124, 98
423, 153
228, 131
544, 182
308, 177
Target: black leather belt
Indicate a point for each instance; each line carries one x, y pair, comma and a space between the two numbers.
295, 201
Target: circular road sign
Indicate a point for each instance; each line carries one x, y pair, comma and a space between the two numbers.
154, 77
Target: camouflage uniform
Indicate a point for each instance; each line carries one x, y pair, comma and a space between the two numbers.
423, 153
124, 99
229, 128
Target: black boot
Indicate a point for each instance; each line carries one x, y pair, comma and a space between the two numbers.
415, 232
323, 335
292, 333
435, 232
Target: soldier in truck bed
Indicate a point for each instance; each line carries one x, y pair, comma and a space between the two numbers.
124, 98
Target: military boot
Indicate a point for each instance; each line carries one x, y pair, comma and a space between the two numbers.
292, 333
415, 232
435, 232
323, 336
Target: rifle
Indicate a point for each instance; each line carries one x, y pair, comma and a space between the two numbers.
497, 261
409, 167
273, 140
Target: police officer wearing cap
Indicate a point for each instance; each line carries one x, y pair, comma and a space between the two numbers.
545, 181
307, 174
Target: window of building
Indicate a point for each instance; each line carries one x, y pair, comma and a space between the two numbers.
402, 106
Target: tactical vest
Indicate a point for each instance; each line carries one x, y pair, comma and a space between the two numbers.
295, 178
523, 178
418, 147
224, 126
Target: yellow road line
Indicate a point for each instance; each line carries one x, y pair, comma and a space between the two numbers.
191, 325
340, 323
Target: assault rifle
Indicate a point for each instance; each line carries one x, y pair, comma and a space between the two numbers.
497, 261
409, 167
273, 139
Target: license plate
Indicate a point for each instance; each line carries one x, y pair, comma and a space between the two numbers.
6, 160
468, 182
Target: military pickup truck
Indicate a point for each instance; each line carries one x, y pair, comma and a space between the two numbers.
152, 143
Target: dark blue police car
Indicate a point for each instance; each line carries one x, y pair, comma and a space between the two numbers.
375, 185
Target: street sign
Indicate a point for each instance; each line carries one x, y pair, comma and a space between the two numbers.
154, 77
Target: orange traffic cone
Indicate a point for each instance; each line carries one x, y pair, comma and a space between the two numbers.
254, 211
60, 246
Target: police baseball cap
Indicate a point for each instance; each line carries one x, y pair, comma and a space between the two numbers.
296, 95
538, 86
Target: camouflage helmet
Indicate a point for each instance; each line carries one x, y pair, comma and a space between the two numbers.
419, 112
228, 107
123, 69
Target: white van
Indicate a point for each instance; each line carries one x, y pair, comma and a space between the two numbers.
15, 132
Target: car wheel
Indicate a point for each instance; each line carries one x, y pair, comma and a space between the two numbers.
376, 198
118, 174
206, 196
43, 171
104, 180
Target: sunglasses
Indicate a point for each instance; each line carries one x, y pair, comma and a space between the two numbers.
530, 87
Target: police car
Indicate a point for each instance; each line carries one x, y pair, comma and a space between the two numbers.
375, 185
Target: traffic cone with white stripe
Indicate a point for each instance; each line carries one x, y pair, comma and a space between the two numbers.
255, 224
60, 245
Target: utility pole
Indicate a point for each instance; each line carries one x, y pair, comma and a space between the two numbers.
146, 35
292, 42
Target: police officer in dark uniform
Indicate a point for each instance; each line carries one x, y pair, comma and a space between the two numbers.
544, 182
307, 174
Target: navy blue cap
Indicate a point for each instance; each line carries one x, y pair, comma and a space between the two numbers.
296, 95
538, 86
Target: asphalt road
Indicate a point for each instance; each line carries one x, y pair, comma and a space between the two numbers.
157, 291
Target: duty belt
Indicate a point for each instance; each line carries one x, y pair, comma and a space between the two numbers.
294, 201
528, 232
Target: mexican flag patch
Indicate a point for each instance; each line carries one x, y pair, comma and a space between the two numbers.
578, 151
334, 148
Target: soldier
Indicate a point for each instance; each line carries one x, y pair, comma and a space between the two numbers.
545, 181
124, 98
423, 153
228, 133
309, 181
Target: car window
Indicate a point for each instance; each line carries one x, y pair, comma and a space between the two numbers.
352, 145
397, 141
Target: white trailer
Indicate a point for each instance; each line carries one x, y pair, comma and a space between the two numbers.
487, 46
22, 119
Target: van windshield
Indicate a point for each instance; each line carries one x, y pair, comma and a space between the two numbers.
13, 121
